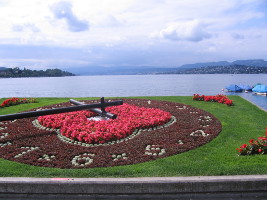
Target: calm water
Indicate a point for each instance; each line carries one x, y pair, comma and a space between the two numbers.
132, 85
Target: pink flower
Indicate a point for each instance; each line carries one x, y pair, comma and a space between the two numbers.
76, 126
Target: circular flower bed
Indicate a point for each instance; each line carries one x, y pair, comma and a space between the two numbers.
144, 130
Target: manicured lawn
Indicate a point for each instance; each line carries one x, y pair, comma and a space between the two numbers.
241, 122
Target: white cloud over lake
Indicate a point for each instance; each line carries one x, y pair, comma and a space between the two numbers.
130, 32
192, 30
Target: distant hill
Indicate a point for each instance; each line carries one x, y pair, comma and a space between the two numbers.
251, 62
126, 70
198, 65
119, 70
231, 69
17, 72
255, 62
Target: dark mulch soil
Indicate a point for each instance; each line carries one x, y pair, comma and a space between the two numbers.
20, 141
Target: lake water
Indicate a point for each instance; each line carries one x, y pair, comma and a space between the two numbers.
131, 85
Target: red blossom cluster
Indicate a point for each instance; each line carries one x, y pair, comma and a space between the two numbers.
76, 126
220, 98
15, 101
258, 146
56, 121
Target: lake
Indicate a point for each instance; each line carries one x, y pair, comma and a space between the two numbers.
131, 85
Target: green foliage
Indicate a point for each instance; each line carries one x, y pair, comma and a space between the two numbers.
17, 72
219, 157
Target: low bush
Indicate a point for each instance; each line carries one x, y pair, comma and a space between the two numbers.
220, 98
15, 101
258, 146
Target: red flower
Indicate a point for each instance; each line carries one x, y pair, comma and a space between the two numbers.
251, 141
243, 146
16, 101
218, 98
262, 138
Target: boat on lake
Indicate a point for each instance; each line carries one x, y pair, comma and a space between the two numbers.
233, 88
260, 90
245, 88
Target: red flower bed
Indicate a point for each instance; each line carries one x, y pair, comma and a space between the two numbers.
220, 98
258, 146
15, 101
27, 142
76, 126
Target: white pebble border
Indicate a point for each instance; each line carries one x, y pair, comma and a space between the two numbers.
47, 157
5, 144
199, 133
38, 125
29, 149
70, 141
116, 157
180, 142
3, 135
85, 156
205, 118
8, 122
154, 150
181, 107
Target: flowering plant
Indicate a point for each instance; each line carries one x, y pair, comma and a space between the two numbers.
220, 98
76, 126
16, 101
258, 146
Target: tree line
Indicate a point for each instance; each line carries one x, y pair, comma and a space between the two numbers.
17, 72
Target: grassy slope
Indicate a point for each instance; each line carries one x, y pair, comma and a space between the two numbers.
219, 157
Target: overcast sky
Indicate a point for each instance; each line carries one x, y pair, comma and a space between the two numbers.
163, 33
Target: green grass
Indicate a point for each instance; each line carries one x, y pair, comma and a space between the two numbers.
241, 122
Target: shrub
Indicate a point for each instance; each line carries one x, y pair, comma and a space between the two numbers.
15, 101
220, 98
258, 146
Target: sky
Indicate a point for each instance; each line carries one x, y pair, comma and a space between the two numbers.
40, 34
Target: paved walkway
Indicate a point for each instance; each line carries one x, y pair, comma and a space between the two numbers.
204, 187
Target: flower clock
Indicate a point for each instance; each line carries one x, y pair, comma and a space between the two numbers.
144, 130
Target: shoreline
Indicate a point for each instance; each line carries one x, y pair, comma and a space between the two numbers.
253, 104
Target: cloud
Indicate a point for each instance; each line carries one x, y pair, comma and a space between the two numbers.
107, 21
119, 30
238, 36
192, 30
25, 27
63, 10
